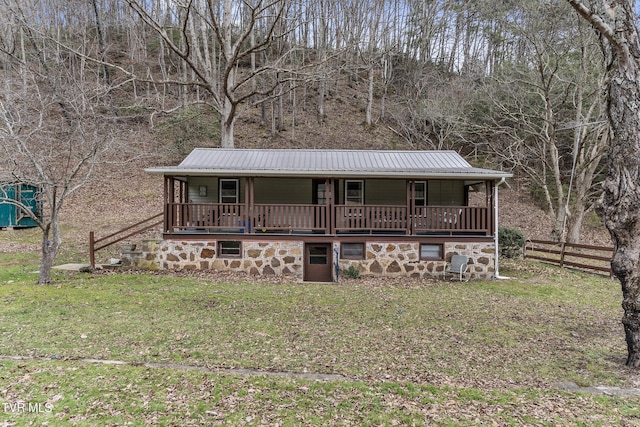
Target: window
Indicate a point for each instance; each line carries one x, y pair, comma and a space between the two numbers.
319, 255
420, 193
229, 191
352, 250
353, 192
446, 193
431, 251
229, 249
319, 192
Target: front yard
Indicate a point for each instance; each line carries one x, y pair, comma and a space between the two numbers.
396, 352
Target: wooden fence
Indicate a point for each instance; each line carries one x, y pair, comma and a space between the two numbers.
571, 255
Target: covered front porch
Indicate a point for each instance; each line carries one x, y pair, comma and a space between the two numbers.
332, 206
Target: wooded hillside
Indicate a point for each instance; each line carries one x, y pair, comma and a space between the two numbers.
110, 86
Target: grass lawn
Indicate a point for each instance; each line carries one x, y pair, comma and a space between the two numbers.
407, 352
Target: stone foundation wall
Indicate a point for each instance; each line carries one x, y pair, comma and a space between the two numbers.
286, 258
279, 258
403, 259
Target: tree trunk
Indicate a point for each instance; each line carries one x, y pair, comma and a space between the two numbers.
573, 233
274, 129
621, 200
293, 112
50, 246
583, 183
102, 44
321, 95
620, 205
226, 131
369, 112
280, 113
557, 232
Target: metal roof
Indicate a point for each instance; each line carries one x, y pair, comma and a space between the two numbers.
327, 163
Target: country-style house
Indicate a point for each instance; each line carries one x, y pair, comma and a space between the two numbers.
312, 213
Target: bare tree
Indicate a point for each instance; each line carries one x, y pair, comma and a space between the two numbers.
616, 23
542, 113
428, 105
50, 133
590, 137
233, 31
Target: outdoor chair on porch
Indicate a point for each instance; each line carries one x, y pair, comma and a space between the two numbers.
457, 267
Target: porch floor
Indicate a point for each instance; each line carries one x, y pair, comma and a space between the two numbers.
201, 231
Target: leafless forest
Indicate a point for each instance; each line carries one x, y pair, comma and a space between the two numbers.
514, 85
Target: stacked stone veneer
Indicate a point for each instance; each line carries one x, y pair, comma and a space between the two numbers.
286, 258
403, 259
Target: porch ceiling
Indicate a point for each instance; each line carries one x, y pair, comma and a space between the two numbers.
328, 164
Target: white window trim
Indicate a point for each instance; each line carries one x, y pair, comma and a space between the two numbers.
237, 192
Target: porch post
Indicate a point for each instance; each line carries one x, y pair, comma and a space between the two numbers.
330, 226
186, 211
496, 184
491, 195
409, 219
248, 204
167, 201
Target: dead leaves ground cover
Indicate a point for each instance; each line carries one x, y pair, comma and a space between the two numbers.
411, 352
126, 395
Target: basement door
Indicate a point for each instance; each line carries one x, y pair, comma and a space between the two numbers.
317, 262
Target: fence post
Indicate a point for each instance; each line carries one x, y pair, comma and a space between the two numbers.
562, 255
92, 244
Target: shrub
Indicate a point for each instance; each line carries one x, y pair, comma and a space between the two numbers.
511, 242
351, 273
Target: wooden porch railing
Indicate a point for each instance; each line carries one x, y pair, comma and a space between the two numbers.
450, 219
289, 217
97, 244
371, 218
206, 217
241, 218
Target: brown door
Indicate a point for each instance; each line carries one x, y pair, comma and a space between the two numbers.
317, 262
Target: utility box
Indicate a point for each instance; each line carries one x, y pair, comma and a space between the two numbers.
12, 216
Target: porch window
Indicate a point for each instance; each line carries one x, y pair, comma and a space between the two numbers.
431, 251
354, 192
229, 249
229, 190
420, 193
352, 250
319, 192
